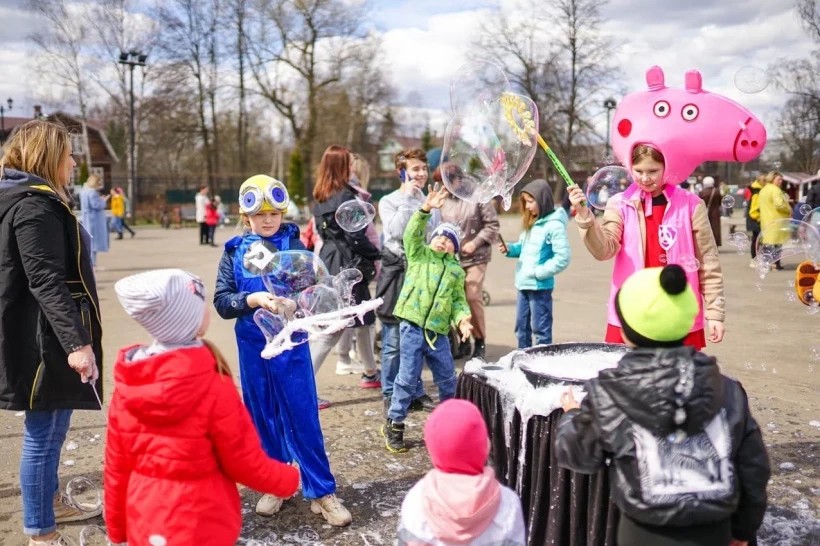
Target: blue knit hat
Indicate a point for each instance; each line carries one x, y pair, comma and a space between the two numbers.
450, 231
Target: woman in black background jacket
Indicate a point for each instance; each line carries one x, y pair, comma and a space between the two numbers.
50, 332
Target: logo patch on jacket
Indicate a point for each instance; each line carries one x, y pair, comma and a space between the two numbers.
697, 467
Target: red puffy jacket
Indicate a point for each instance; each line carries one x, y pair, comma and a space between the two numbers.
178, 440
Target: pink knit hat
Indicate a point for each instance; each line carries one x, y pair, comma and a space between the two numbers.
456, 438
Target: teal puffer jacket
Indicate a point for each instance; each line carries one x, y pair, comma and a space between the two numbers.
542, 251
432, 296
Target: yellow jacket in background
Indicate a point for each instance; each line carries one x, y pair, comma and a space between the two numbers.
118, 206
774, 205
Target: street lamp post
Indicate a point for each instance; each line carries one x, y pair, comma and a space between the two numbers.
610, 105
3, 117
131, 59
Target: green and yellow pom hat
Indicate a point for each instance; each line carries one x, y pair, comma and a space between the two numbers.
656, 307
263, 193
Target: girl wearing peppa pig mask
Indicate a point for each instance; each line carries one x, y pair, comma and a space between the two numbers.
656, 223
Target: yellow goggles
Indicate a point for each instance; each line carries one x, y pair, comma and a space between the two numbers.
263, 193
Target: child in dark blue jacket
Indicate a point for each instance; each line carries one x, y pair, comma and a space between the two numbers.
280, 392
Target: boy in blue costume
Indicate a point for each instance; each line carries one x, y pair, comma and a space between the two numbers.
280, 392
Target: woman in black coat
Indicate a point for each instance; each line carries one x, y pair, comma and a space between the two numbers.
50, 332
344, 250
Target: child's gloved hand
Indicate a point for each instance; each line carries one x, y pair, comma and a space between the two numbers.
465, 327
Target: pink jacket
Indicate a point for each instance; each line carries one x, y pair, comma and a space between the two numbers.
623, 235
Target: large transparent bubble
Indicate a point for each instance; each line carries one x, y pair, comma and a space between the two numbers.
476, 82
787, 238
354, 215
288, 272
319, 299
83, 494
606, 187
271, 324
344, 282
93, 535
489, 146
751, 79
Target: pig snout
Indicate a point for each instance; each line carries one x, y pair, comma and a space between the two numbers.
750, 139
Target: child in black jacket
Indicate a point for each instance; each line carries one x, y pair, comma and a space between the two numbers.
689, 463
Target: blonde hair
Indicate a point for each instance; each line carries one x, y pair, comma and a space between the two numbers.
222, 366
38, 147
645, 151
528, 219
94, 182
360, 169
772, 175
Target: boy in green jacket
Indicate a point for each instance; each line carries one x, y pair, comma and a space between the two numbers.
431, 299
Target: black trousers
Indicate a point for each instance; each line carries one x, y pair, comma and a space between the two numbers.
203, 233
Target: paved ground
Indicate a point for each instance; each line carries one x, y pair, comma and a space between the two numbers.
772, 345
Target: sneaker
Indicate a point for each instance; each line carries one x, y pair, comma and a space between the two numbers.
332, 510
58, 540
324, 404
478, 349
370, 381
65, 511
423, 403
268, 505
349, 368
394, 436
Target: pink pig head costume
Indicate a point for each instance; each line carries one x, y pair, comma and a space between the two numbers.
688, 126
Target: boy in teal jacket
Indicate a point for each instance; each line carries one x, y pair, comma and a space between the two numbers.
431, 300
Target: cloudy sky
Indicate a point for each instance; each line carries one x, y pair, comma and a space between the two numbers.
425, 41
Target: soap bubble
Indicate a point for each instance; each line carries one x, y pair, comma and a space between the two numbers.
803, 211
813, 308
354, 215
489, 147
690, 264
271, 324
319, 299
786, 237
606, 183
751, 79
344, 282
477, 82
288, 272
763, 264
93, 535
728, 202
83, 494
740, 241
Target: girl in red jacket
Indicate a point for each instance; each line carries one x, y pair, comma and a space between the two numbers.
179, 437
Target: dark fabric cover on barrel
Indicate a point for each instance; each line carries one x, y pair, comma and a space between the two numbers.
561, 508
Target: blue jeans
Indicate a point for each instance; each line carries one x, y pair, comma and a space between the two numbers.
43, 436
391, 359
414, 349
116, 224
533, 315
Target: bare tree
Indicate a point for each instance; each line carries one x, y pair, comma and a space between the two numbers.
188, 40
238, 14
297, 49
63, 52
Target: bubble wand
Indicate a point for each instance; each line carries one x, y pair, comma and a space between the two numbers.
512, 105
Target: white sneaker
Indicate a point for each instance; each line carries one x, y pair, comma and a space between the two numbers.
268, 505
753, 264
353, 367
332, 510
58, 540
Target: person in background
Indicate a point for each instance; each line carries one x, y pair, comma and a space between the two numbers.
50, 327
183, 453
774, 206
119, 206
92, 215
211, 220
690, 466
459, 501
201, 205
813, 197
543, 251
479, 228
712, 198
753, 214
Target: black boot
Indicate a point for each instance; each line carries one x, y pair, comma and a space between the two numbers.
394, 436
478, 349
423, 403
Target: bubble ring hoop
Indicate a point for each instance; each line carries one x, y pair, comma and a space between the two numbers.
512, 105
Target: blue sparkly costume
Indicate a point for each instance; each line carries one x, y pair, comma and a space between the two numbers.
280, 393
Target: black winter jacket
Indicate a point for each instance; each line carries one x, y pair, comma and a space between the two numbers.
48, 299
343, 250
717, 470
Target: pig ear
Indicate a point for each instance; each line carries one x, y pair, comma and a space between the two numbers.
654, 78
694, 81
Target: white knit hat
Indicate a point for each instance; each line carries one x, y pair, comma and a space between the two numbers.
708, 182
168, 303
